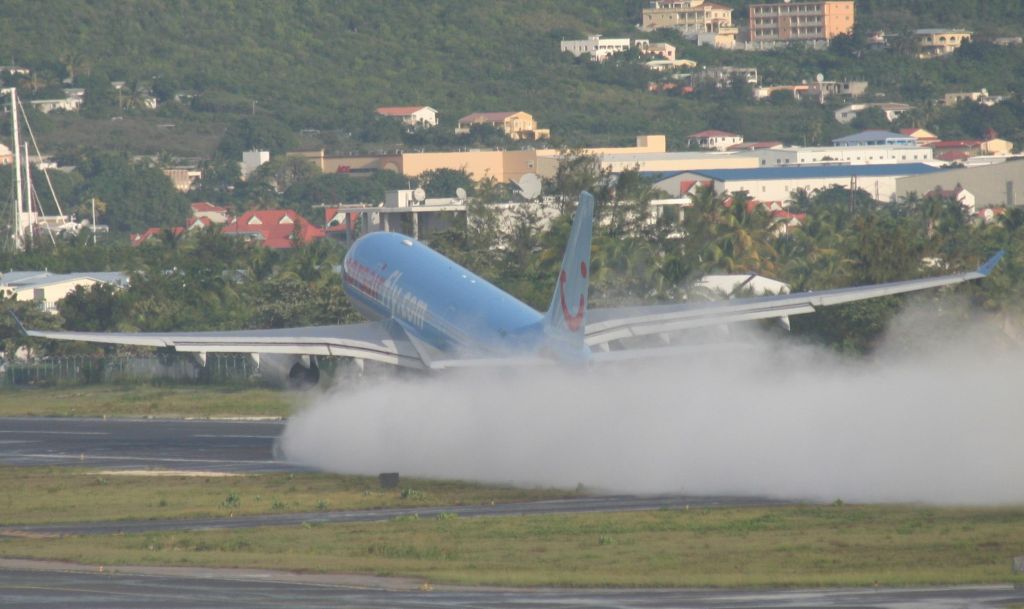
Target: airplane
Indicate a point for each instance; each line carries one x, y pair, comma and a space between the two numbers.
429, 313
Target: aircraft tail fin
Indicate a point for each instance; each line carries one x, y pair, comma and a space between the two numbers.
565, 321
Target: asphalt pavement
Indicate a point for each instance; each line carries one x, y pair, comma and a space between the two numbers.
42, 586
209, 445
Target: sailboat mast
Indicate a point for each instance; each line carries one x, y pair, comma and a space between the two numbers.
19, 230
30, 221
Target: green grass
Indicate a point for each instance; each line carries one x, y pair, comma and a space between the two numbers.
147, 400
779, 546
35, 495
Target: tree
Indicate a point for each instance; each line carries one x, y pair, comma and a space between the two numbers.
256, 133
137, 194
444, 182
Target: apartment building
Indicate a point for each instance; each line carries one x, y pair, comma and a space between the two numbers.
934, 42
800, 21
694, 19
598, 48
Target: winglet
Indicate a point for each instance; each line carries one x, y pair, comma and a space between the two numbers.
986, 268
17, 322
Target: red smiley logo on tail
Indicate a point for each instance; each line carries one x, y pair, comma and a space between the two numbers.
573, 321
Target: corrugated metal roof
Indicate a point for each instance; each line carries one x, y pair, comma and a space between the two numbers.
826, 171
865, 136
29, 279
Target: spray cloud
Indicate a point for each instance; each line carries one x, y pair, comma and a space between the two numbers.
933, 417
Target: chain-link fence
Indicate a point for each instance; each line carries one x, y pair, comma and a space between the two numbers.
79, 369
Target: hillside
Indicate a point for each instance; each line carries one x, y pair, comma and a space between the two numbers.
324, 66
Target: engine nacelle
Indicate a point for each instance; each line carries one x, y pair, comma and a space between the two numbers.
291, 371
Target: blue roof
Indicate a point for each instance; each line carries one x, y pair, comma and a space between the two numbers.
816, 171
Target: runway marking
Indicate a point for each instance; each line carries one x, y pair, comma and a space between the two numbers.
217, 435
186, 473
63, 433
86, 457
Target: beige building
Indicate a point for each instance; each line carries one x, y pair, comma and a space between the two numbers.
692, 19
516, 125
183, 177
796, 21
935, 42
502, 165
996, 185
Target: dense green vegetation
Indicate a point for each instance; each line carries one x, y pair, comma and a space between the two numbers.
325, 66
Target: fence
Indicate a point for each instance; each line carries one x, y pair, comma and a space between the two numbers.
79, 369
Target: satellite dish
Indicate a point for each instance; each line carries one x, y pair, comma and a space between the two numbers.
820, 78
529, 186
419, 195
460, 193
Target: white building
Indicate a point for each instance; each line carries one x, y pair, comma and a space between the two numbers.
251, 161
598, 48
841, 155
414, 116
46, 106
713, 139
47, 289
780, 183
891, 110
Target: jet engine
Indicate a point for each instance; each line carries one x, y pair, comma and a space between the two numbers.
291, 371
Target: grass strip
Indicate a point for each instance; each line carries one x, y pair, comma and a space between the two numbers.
48, 495
146, 400
804, 546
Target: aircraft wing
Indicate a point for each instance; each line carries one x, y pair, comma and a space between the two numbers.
378, 341
606, 325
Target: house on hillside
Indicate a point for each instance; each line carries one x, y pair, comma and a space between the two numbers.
274, 228
923, 136
516, 125
935, 42
183, 178
891, 110
699, 20
599, 49
713, 139
66, 104
413, 116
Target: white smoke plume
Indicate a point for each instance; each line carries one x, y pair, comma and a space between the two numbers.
935, 416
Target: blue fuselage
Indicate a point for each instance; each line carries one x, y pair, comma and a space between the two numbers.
391, 276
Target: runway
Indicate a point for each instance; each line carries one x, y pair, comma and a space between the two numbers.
243, 446
229, 446
25, 586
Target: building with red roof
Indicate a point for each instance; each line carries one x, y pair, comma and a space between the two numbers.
153, 233
274, 228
